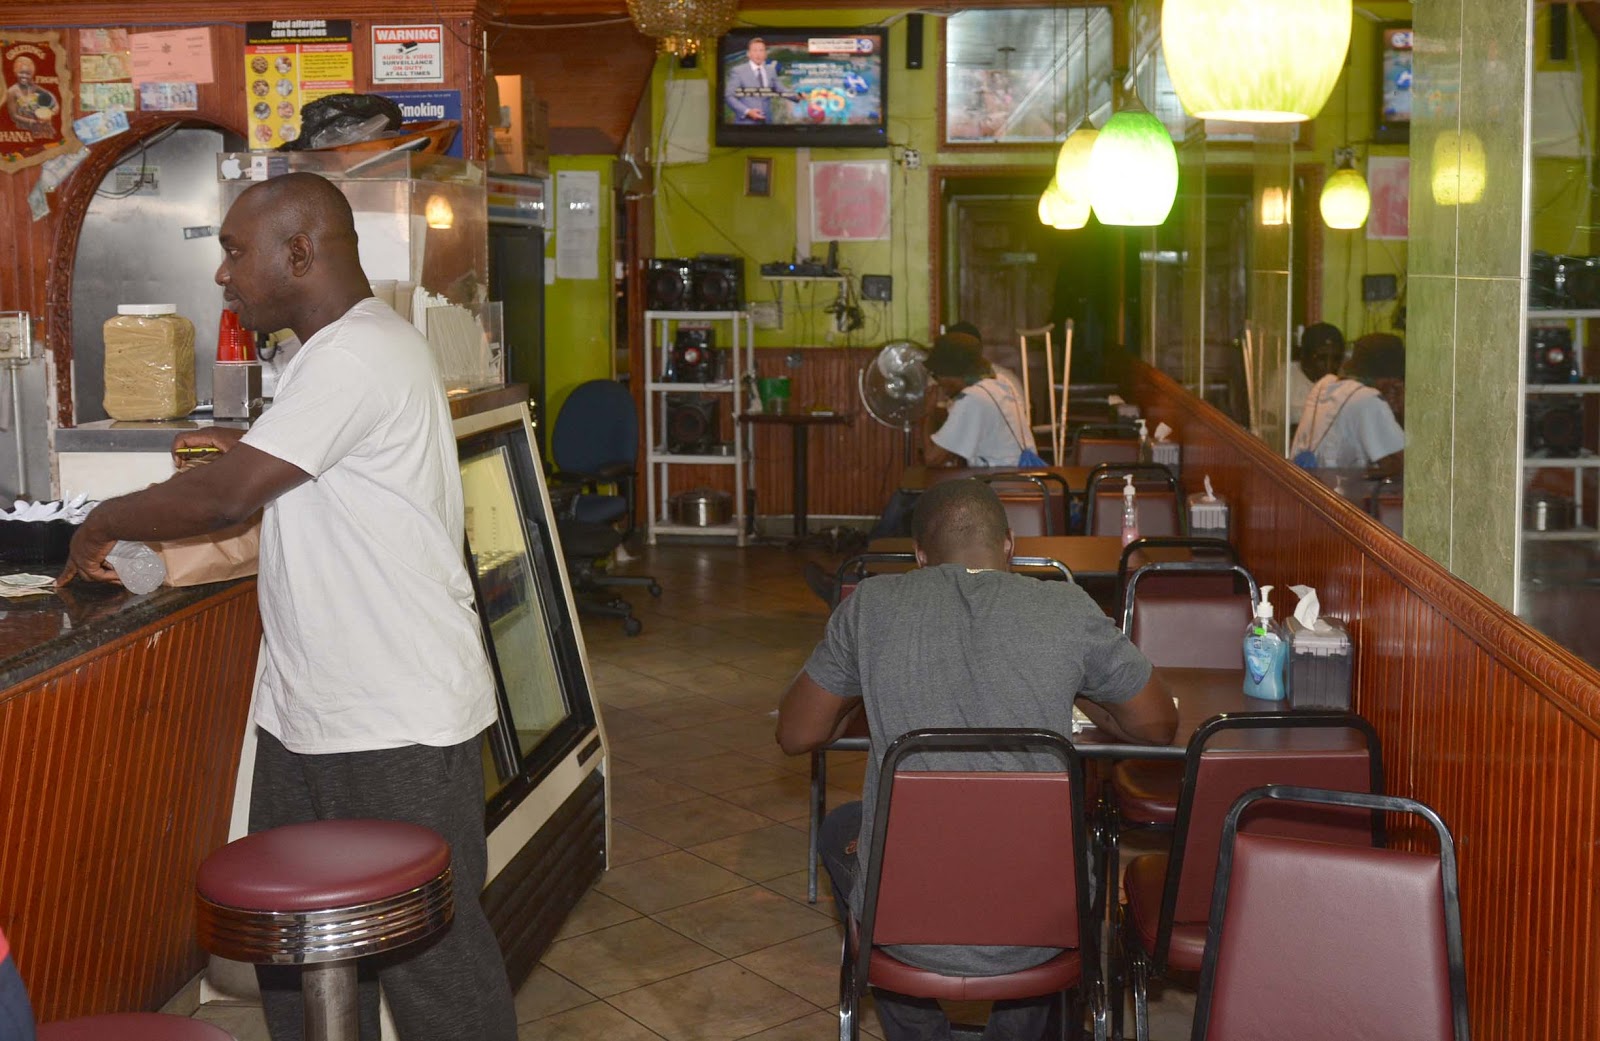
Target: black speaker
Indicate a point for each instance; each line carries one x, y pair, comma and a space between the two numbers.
1558, 32
718, 282
692, 427
1555, 426
1578, 281
1544, 280
1550, 357
693, 360
913, 41
668, 285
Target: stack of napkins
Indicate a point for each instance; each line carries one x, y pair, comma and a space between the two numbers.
13, 587
71, 510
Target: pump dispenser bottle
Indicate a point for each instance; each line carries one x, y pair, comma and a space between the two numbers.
1266, 653
1130, 511
1147, 454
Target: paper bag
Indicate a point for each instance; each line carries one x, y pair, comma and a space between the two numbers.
217, 557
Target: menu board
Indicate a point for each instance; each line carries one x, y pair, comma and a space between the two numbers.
288, 64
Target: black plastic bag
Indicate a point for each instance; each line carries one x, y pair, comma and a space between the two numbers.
342, 119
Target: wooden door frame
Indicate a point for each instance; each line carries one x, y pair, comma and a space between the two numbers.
938, 178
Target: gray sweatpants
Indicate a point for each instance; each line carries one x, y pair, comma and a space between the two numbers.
449, 987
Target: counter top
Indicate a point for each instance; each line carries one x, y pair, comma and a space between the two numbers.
111, 435
38, 633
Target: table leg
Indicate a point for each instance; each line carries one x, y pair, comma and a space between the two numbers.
800, 469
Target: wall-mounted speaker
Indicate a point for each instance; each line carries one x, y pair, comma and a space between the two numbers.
718, 282
668, 285
913, 41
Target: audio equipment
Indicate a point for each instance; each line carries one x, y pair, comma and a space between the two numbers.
1578, 282
1558, 32
913, 41
692, 427
668, 286
1556, 426
1550, 357
718, 282
1544, 288
693, 360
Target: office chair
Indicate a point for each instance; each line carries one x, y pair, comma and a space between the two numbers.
595, 442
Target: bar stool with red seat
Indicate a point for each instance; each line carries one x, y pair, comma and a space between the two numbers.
1162, 925
322, 895
984, 858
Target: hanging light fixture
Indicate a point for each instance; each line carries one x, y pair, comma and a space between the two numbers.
439, 213
1345, 198
1459, 171
682, 27
1071, 182
1255, 61
1060, 212
1133, 169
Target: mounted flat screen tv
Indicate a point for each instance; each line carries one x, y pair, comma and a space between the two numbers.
1394, 84
802, 88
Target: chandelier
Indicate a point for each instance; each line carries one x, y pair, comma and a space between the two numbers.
681, 26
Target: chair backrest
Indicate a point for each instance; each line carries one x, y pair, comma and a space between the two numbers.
1092, 451
1347, 942
1031, 508
1190, 614
1158, 513
978, 858
1211, 550
597, 427
1334, 750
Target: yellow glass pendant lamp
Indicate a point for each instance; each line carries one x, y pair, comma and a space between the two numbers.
1274, 207
1255, 61
1459, 169
1071, 184
1346, 200
1060, 212
1133, 170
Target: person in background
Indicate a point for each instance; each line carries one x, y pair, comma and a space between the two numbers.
984, 421
16, 1014
373, 689
962, 642
1321, 353
1354, 420
989, 353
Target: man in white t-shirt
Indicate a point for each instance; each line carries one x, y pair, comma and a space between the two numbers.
373, 687
1354, 420
987, 424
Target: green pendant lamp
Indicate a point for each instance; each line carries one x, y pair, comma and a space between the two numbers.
1345, 200
1459, 170
1255, 61
1133, 170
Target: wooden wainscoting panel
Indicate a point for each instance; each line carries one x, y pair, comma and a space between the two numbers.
116, 779
1482, 718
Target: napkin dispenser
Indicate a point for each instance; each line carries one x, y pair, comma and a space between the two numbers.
1208, 514
1321, 660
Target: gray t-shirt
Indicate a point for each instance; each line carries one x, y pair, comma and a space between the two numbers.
948, 647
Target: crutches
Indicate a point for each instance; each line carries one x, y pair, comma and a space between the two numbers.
1046, 331
1058, 430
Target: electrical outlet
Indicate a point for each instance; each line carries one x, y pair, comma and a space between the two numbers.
16, 336
877, 287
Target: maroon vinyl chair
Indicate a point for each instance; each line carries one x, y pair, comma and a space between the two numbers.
1035, 503
1189, 614
977, 859
1090, 450
1158, 500
1322, 942
322, 895
132, 1026
1162, 924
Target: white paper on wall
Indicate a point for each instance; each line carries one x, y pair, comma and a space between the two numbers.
578, 224
686, 126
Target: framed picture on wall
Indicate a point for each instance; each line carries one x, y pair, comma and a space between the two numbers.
850, 201
1389, 181
758, 176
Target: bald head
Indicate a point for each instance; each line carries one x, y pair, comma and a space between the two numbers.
961, 522
289, 255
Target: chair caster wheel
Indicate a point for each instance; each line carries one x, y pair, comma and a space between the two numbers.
655, 589
632, 627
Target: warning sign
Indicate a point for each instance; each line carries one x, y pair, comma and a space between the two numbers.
408, 53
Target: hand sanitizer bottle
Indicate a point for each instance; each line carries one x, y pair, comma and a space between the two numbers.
1130, 511
1146, 453
1266, 652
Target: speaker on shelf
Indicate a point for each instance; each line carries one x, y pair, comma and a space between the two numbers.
718, 282
1550, 357
692, 427
1555, 426
913, 41
1578, 279
693, 359
668, 285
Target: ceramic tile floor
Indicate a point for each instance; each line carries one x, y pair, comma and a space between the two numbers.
700, 930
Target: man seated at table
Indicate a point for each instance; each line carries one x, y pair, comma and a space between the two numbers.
1354, 419
985, 422
962, 642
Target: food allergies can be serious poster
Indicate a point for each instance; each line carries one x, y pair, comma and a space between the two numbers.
287, 64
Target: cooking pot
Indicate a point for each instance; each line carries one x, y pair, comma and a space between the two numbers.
701, 508
1543, 511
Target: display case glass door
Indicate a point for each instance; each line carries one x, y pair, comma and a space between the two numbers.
545, 704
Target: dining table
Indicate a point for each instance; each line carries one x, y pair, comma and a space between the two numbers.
921, 478
1088, 556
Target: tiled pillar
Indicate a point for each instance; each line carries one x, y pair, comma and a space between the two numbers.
1271, 279
1465, 317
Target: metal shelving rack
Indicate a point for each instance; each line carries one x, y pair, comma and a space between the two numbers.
658, 326
1587, 459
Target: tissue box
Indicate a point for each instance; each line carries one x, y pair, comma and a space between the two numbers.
1166, 453
1320, 664
1208, 520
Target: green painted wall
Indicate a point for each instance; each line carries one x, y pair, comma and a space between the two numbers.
578, 312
